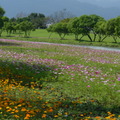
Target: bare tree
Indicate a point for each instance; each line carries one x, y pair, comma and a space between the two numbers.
60, 15
21, 15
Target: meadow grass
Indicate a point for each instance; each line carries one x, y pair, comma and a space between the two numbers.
56, 82
41, 35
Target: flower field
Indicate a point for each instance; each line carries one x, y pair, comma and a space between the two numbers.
41, 81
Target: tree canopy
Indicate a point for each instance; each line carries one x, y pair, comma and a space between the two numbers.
2, 11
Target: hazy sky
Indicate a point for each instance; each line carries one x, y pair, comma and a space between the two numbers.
104, 3
47, 7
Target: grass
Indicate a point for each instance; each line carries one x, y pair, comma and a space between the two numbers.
41, 35
55, 82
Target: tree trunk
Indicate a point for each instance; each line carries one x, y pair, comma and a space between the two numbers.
25, 34
94, 39
103, 38
99, 40
115, 38
63, 36
81, 37
89, 37
50, 35
0, 32
60, 35
76, 37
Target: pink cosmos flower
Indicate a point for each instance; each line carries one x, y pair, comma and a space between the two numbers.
119, 79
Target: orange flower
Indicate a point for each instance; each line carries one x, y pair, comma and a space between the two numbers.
5, 90
97, 117
50, 110
16, 111
31, 112
21, 100
27, 116
113, 118
23, 109
92, 100
44, 116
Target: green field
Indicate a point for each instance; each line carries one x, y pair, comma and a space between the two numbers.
54, 82
41, 35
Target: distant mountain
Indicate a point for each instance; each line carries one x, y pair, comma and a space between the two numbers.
47, 7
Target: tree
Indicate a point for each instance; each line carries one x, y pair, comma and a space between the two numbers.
74, 27
12, 19
5, 19
38, 20
9, 27
59, 28
87, 24
2, 11
81, 25
50, 29
117, 27
26, 27
19, 20
1, 26
110, 28
94, 20
36, 15
66, 20
100, 30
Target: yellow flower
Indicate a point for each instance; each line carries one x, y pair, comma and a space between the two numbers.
66, 113
60, 114
81, 115
12, 112
45, 111
19, 105
55, 115
16, 116
107, 117
109, 113
7, 107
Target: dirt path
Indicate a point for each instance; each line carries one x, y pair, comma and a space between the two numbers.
93, 47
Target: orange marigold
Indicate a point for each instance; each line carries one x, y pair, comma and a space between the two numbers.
44, 116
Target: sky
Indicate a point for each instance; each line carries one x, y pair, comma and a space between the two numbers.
13, 7
103, 3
